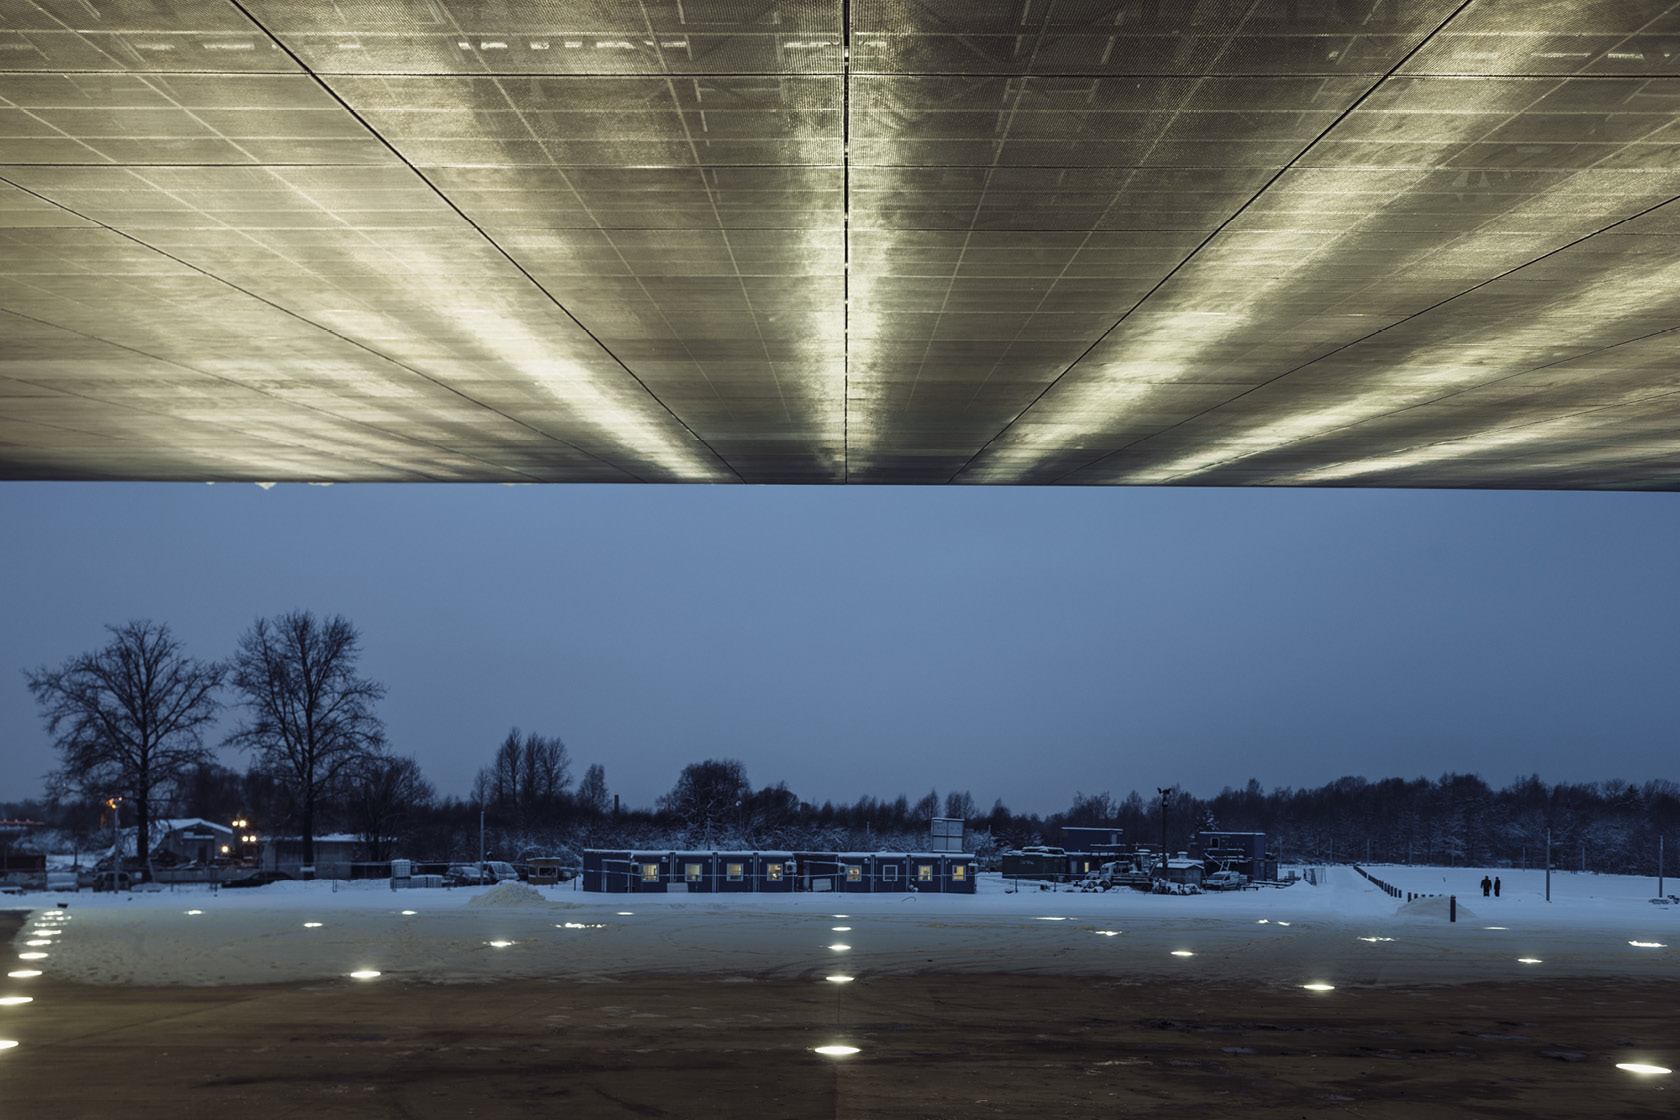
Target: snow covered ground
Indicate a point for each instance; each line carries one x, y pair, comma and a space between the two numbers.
1342, 932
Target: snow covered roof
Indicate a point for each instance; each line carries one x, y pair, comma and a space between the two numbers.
183, 824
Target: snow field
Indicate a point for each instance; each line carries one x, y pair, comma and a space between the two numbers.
1342, 932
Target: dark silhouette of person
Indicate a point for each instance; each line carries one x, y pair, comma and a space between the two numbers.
1487, 885
1496, 886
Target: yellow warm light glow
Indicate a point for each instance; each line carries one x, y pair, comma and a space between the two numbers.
24, 973
13, 1001
6, 1044
31, 956
837, 1051
1642, 1067
38, 942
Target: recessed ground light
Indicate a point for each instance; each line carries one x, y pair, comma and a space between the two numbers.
195, 911
1495, 927
1283, 923
1529, 960
1106, 932
1319, 987
1647, 944
6, 1044
13, 1001
839, 948
1642, 1067
410, 913
32, 956
37, 943
1052, 919
842, 915
838, 979
311, 925
1264, 922
831, 1051
24, 973
364, 974
582, 925
841, 929
1375, 939
1182, 953
498, 944
626, 913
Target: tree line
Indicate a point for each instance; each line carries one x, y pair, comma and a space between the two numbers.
129, 720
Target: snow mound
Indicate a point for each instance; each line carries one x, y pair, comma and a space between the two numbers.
1435, 906
509, 894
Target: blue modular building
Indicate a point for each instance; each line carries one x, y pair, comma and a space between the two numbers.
631, 871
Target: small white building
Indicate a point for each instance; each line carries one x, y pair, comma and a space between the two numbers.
194, 839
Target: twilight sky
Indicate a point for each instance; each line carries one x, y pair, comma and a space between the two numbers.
1022, 643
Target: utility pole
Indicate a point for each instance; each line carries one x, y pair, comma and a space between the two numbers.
481, 842
1548, 863
1165, 794
1659, 866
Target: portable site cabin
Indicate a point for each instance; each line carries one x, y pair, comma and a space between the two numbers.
698, 872
777, 872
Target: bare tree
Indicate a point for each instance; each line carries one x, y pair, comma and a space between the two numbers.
592, 790
128, 718
384, 794
709, 793
527, 776
309, 717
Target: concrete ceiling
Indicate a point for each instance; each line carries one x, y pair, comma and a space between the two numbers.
1228, 242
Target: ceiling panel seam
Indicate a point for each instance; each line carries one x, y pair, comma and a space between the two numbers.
1229, 219
491, 241
325, 330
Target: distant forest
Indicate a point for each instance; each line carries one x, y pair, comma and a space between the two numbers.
1610, 826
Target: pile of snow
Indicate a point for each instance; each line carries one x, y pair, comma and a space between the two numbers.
509, 893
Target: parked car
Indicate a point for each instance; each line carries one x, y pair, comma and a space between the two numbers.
473, 874
1225, 881
258, 879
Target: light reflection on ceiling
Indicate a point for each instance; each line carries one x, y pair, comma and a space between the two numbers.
1422, 244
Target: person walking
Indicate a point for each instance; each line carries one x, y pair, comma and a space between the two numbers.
1496, 886
1487, 885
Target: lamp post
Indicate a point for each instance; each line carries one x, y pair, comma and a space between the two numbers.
1165, 795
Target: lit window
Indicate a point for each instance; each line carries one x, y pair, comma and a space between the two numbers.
854, 873
889, 873
773, 872
691, 872
734, 870
924, 872
650, 873
959, 872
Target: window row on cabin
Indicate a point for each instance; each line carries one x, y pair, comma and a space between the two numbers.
736, 872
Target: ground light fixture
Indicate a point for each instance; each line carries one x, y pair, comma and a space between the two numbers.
13, 1001
1647, 944
1106, 932
32, 956
195, 911
839, 948
827, 1051
6, 1043
1643, 1068
365, 974
1529, 960
498, 944
1182, 953
24, 973
839, 979
848, 929
410, 913
626, 913
311, 925
1319, 987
